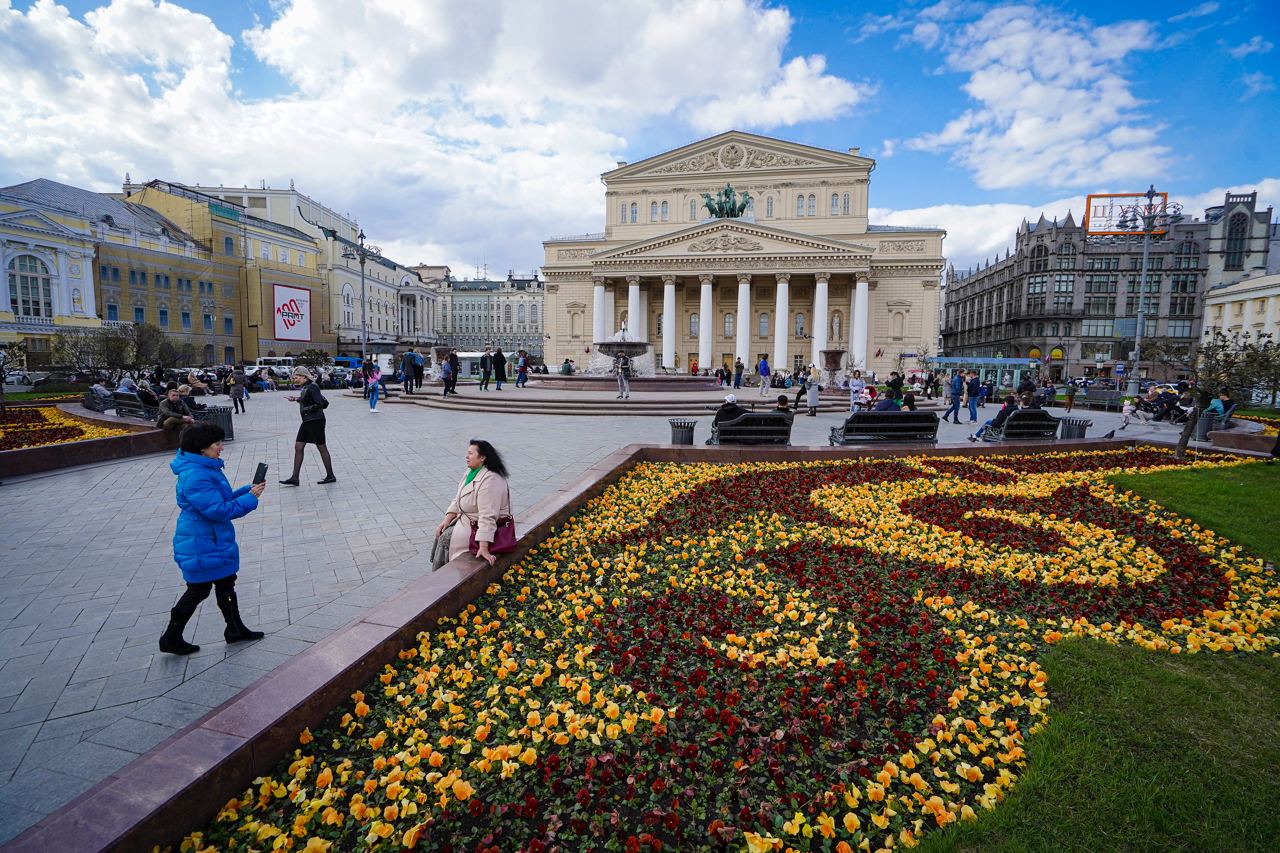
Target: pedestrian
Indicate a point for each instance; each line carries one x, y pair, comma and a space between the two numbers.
622, 370
1071, 396
311, 405
801, 379
173, 412
811, 390
972, 390
484, 502
419, 370
456, 364
486, 368
446, 376
894, 385
763, 370
720, 376
238, 388
738, 367
956, 392
522, 368
204, 542
372, 382
406, 371
365, 369
857, 386
1128, 411
499, 369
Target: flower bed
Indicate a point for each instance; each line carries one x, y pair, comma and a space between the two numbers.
31, 426
827, 656
1270, 426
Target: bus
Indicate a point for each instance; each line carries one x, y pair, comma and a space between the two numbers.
275, 361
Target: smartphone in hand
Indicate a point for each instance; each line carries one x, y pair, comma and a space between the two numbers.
260, 476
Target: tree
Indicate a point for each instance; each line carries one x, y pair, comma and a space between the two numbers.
1262, 366
13, 356
76, 348
147, 339
114, 350
313, 358
171, 354
1217, 363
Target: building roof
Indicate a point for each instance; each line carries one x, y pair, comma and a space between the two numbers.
894, 229
96, 207
377, 259
475, 285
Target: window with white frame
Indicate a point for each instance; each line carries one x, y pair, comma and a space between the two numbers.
813, 205
800, 205
653, 211
844, 205
835, 204
665, 212
30, 287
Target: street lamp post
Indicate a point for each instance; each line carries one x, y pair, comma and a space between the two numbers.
1150, 218
362, 253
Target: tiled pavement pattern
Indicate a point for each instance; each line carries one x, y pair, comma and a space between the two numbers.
87, 577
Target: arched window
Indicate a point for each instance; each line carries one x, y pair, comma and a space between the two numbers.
693, 210
665, 212
768, 207
520, 314
30, 287
844, 207
800, 205
653, 211
813, 205
1040, 259
1039, 329
896, 325
835, 204
533, 315
693, 325
1053, 330
728, 325
1066, 330
506, 313
622, 212
1237, 228
762, 329
799, 325
208, 353
635, 210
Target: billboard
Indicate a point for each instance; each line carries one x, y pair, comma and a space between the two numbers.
1102, 212
292, 309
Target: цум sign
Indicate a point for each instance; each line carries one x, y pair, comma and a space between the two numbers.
292, 309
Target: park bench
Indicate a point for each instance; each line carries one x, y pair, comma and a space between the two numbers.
866, 427
1025, 424
128, 405
1107, 398
95, 403
754, 428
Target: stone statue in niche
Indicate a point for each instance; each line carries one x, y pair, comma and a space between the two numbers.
77, 301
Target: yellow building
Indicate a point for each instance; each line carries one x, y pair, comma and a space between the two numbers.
47, 255
282, 304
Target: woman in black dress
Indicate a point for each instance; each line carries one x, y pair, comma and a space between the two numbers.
311, 404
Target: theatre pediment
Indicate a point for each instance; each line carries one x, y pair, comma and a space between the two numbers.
34, 220
733, 238
734, 153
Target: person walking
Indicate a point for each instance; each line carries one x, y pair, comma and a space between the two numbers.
204, 542
811, 390
372, 382
446, 376
622, 370
486, 368
499, 369
738, 367
406, 371
956, 392
857, 386
1070, 399
419, 370
311, 405
483, 501
972, 389
522, 369
763, 370
237, 387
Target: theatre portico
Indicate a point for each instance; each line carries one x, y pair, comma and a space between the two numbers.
799, 272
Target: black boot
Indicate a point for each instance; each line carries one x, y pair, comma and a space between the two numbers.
171, 641
235, 632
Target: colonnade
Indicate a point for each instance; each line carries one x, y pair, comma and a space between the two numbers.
637, 313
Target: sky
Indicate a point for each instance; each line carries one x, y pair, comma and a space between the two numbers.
465, 132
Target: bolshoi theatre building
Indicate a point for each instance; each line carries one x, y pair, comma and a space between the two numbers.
799, 271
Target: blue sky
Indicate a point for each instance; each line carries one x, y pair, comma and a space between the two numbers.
465, 131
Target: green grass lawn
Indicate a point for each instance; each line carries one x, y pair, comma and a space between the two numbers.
19, 396
1148, 751
1259, 413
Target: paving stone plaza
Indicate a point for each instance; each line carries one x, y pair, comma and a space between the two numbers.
88, 573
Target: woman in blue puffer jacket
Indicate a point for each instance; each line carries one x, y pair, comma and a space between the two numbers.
204, 544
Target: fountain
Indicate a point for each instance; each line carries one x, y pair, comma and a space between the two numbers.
601, 362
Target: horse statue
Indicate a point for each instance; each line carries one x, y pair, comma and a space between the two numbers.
710, 204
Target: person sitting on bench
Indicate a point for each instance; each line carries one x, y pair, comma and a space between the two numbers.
729, 410
886, 404
174, 413
1010, 406
784, 403
147, 396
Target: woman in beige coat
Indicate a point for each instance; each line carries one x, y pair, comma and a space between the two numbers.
483, 496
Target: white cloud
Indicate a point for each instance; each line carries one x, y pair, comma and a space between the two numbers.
980, 232
1196, 12
1051, 103
459, 130
1257, 44
1256, 83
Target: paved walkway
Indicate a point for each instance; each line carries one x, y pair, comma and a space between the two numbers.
87, 577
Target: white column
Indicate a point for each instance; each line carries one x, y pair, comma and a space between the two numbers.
669, 323
644, 313
860, 312
781, 322
610, 313
633, 307
1269, 325
742, 323
705, 324
597, 309
821, 316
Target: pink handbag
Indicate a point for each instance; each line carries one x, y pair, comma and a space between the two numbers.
504, 537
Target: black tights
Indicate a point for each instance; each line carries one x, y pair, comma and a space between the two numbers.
238, 403
299, 448
225, 595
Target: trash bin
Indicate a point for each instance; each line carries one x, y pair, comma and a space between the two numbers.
1207, 423
1073, 427
220, 415
682, 430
